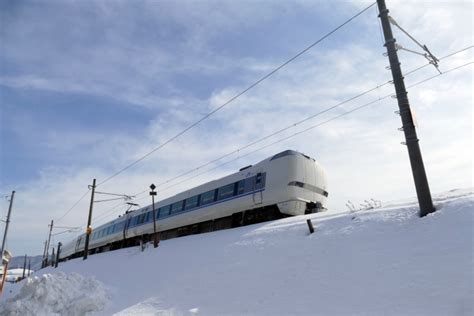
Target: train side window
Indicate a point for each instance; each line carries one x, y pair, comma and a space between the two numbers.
258, 178
207, 197
164, 211
240, 187
177, 207
190, 203
226, 191
119, 226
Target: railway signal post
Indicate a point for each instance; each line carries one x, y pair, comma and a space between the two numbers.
153, 194
411, 139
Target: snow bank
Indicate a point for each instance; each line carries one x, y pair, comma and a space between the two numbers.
57, 294
385, 261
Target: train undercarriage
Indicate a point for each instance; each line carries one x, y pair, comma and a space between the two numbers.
248, 217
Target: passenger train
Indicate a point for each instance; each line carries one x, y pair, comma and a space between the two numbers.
288, 183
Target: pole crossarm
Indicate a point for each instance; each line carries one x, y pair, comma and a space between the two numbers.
65, 227
428, 55
125, 197
115, 194
107, 200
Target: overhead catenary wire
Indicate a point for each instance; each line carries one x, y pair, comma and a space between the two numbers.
266, 137
71, 230
332, 119
206, 116
73, 206
365, 105
272, 134
441, 58
296, 123
106, 212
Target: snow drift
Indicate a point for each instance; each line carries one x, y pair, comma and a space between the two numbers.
381, 261
57, 294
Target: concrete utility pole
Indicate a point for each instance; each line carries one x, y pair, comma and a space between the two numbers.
57, 254
24, 268
29, 267
47, 244
53, 256
44, 253
89, 220
411, 139
7, 222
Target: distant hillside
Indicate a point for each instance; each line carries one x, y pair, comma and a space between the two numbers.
17, 262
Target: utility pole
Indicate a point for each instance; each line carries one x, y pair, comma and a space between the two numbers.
29, 267
24, 268
57, 254
47, 245
89, 220
52, 258
44, 253
411, 139
7, 222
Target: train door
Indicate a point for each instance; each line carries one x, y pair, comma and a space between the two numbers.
257, 185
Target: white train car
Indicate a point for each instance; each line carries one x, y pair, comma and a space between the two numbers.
286, 184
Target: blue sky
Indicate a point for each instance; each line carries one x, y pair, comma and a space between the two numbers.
86, 87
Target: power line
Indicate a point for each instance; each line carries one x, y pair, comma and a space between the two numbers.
274, 133
295, 124
317, 125
73, 229
108, 211
327, 121
237, 95
72, 207
441, 58
437, 75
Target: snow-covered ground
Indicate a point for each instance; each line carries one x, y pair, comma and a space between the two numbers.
381, 261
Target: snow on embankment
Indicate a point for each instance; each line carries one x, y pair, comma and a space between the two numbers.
382, 261
57, 294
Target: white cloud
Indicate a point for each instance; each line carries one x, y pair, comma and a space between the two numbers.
361, 152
